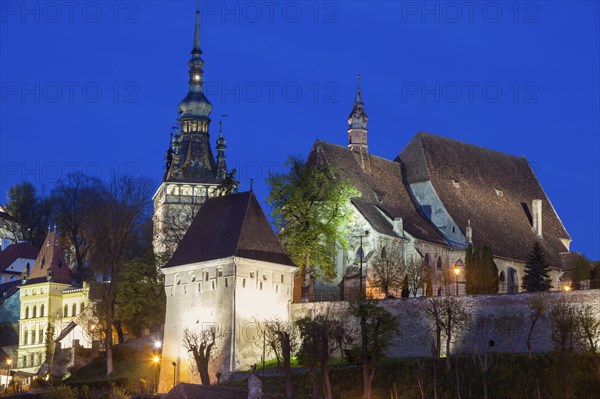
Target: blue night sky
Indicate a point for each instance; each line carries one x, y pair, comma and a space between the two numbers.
96, 86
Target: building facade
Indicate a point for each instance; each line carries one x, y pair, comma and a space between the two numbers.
51, 302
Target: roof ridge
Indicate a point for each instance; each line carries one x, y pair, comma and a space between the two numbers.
237, 241
422, 133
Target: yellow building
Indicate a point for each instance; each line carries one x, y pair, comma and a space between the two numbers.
49, 296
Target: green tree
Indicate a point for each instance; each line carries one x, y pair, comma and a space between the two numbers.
30, 214
582, 269
377, 330
229, 185
311, 209
481, 272
537, 271
319, 339
595, 276
141, 297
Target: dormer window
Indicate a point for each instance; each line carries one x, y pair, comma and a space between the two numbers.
499, 192
455, 183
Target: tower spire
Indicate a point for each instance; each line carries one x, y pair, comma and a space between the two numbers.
221, 146
357, 122
197, 34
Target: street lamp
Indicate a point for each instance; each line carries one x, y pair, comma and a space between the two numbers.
567, 288
174, 372
157, 344
156, 360
456, 272
361, 253
9, 362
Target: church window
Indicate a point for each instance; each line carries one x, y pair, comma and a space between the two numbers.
65, 311
453, 229
213, 285
439, 262
226, 283
261, 286
27, 312
43, 262
205, 276
426, 259
251, 274
199, 287
502, 277
41, 335
243, 283
265, 276
193, 278
34, 313
42, 311
282, 278
81, 307
220, 273
74, 310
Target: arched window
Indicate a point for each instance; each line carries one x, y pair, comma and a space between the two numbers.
502, 277
27, 312
459, 263
42, 311
74, 310
34, 313
66, 311
439, 262
426, 259
81, 307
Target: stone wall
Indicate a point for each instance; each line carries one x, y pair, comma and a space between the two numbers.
498, 323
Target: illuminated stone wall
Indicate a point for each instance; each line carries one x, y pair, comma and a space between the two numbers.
499, 323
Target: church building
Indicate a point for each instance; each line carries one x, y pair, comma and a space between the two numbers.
434, 199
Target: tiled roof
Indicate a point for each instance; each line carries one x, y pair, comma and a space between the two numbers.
15, 251
491, 189
50, 257
383, 191
232, 225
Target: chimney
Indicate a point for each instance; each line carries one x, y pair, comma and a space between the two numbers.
536, 207
398, 226
469, 233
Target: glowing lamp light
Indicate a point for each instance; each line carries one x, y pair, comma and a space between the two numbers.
457, 271
567, 288
9, 361
157, 344
155, 359
196, 78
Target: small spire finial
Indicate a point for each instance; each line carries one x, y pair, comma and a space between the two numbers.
358, 98
251, 184
197, 30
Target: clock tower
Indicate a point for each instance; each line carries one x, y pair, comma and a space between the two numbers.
191, 173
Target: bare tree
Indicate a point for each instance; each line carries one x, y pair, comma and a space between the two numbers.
448, 315
537, 307
202, 347
563, 321
121, 210
175, 223
588, 327
387, 268
416, 274
282, 337
74, 198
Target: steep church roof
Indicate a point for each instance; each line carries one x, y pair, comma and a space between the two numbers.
384, 195
232, 225
493, 190
50, 261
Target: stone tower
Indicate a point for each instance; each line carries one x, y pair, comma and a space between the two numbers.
357, 124
191, 173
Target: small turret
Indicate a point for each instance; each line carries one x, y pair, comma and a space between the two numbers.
357, 123
221, 146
